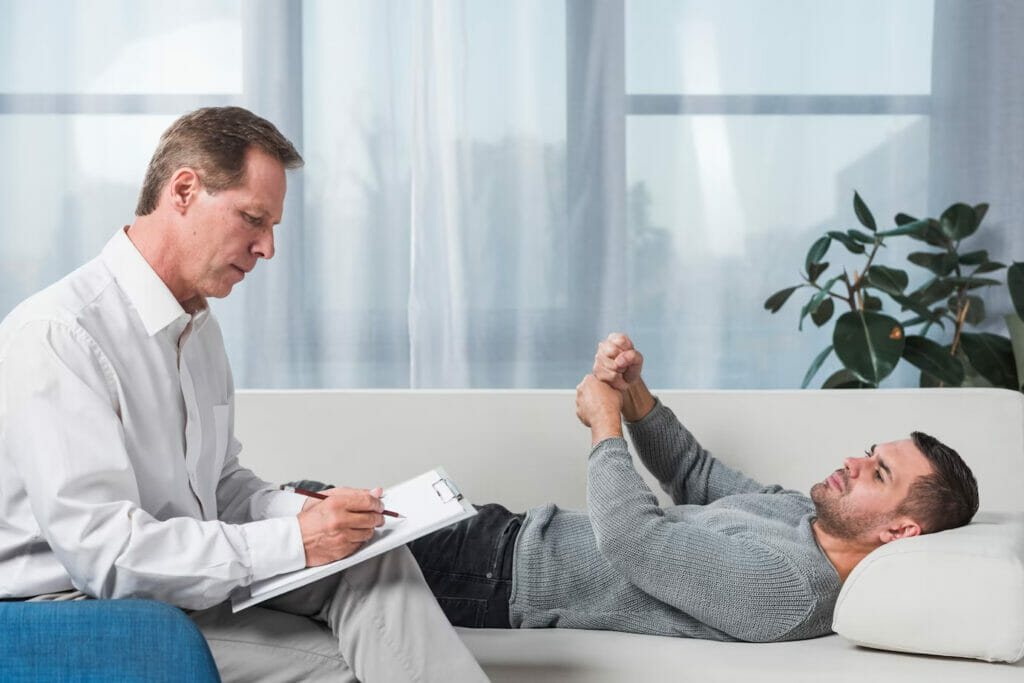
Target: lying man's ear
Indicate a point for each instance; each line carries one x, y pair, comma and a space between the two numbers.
901, 527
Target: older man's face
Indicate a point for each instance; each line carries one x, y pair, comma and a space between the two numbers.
234, 228
856, 501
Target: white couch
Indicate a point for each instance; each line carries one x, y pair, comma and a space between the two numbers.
523, 448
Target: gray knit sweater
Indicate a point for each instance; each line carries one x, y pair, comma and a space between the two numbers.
731, 560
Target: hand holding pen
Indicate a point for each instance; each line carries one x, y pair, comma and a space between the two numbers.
339, 523
321, 496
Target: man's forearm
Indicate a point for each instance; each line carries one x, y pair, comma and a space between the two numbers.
637, 401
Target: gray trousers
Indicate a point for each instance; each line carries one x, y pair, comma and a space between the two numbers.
376, 621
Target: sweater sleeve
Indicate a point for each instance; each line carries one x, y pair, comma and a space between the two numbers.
686, 472
728, 581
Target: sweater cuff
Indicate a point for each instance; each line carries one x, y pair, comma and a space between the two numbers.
610, 446
275, 547
649, 416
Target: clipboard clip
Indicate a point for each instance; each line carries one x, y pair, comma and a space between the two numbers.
446, 490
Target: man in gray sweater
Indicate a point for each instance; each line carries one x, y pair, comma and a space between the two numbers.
731, 559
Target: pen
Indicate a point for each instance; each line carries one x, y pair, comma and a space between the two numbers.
314, 494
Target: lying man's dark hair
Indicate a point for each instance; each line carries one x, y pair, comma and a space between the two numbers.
948, 497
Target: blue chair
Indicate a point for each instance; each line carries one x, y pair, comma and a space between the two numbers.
111, 641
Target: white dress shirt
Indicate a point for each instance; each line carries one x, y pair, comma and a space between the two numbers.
119, 471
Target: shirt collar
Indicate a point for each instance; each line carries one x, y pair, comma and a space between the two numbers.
152, 299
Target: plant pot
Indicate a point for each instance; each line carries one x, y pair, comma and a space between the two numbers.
1015, 326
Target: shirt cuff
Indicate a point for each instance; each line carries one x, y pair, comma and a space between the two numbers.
275, 546
284, 504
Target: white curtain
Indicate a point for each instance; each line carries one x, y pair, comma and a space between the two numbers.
976, 147
436, 144
441, 219
491, 187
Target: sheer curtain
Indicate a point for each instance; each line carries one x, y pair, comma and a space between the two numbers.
492, 187
976, 147
436, 140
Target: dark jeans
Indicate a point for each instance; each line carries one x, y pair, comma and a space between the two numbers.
468, 566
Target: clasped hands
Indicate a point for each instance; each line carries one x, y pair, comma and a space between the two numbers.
614, 388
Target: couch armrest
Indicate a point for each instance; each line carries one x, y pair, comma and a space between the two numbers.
101, 640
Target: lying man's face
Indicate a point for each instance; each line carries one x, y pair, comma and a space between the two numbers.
859, 501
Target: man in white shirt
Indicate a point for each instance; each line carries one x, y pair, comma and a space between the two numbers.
120, 469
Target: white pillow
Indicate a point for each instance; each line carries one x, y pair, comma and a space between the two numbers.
958, 593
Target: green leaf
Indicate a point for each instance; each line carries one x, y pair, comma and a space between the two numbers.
872, 303
934, 236
861, 236
972, 378
940, 263
974, 258
975, 309
973, 282
863, 213
914, 229
816, 300
992, 356
979, 213
844, 379
815, 364
988, 267
958, 222
817, 251
934, 290
823, 313
904, 219
929, 381
933, 359
869, 344
1015, 281
924, 314
889, 280
776, 300
816, 269
851, 244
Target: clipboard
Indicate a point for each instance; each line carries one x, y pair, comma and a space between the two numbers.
430, 501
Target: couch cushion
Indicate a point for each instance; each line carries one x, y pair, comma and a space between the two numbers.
571, 656
959, 593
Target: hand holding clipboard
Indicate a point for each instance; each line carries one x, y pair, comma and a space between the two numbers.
428, 502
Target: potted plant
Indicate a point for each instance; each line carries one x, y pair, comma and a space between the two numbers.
869, 342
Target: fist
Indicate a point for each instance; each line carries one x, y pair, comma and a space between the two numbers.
598, 405
617, 363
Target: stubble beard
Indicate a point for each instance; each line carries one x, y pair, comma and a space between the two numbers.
837, 517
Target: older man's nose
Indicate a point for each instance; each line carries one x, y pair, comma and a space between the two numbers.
264, 246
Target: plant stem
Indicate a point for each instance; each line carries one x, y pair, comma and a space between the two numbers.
831, 293
962, 304
959, 326
856, 288
850, 289
871, 256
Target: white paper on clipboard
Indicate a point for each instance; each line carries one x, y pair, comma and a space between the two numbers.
429, 502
